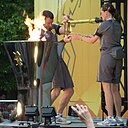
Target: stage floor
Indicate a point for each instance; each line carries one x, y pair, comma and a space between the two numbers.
76, 123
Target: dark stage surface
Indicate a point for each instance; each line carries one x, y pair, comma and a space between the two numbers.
76, 123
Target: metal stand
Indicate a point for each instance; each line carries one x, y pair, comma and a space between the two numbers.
34, 64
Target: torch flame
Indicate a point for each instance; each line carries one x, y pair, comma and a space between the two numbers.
36, 54
34, 27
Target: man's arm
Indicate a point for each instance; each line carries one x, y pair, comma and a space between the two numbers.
64, 28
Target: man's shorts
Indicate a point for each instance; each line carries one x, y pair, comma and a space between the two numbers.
62, 78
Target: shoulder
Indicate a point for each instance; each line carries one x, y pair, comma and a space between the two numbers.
105, 23
116, 22
55, 28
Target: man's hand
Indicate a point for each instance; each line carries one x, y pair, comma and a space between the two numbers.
65, 18
67, 38
65, 28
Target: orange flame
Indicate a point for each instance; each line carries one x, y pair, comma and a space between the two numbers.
34, 27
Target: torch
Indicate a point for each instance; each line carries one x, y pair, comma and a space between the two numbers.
67, 25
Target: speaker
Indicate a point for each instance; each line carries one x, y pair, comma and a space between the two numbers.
48, 111
31, 111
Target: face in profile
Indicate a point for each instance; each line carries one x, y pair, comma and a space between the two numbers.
48, 23
104, 14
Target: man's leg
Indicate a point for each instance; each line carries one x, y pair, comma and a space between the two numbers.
54, 94
62, 104
68, 92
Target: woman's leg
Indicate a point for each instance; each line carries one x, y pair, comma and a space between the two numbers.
108, 97
116, 98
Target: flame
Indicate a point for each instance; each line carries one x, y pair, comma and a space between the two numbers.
35, 83
19, 109
36, 54
34, 27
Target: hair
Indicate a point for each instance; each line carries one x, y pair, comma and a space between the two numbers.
110, 8
47, 14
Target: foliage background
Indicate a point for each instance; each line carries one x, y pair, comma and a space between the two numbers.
12, 27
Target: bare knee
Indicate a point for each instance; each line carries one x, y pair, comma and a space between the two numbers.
69, 91
56, 92
115, 88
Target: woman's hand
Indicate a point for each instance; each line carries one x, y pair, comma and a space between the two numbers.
76, 36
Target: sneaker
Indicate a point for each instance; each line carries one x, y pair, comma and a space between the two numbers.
53, 120
109, 121
119, 121
61, 120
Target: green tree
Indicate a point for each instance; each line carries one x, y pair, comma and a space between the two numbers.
12, 27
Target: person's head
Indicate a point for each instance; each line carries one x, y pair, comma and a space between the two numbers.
108, 11
48, 18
